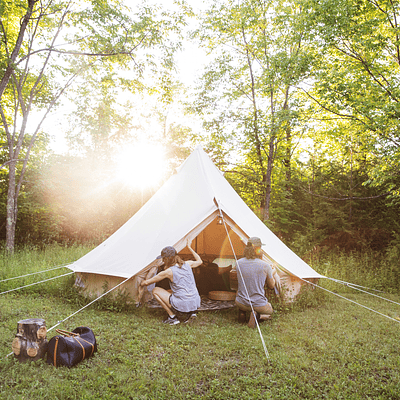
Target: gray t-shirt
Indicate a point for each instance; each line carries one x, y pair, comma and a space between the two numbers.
185, 296
254, 272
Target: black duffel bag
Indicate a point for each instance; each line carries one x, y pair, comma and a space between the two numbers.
70, 348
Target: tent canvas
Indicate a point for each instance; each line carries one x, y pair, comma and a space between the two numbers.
188, 205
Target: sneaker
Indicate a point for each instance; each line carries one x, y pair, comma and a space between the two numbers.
265, 317
171, 321
189, 317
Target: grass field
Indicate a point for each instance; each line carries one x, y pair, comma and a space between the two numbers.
322, 348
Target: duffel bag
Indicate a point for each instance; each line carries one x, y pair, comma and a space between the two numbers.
70, 348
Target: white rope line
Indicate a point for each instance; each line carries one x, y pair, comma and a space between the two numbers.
34, 273
357, 287
244, 284
351, 301
353, 284
36, 283
87, 305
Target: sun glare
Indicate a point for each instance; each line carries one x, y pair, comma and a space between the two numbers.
141, 165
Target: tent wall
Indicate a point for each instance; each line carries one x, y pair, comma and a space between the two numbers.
94, 285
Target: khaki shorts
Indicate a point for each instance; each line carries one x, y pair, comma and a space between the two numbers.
266, 310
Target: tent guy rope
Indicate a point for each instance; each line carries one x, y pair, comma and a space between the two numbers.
87, 305
354, 285
352, 301
357, 287
36, 283
35, 273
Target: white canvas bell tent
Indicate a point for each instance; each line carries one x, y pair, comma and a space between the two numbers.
188, 206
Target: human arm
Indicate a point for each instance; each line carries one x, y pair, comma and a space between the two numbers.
149, 275
159, 277
278, 285
270, 273
198, 261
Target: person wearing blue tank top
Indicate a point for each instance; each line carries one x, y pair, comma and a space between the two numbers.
185, 299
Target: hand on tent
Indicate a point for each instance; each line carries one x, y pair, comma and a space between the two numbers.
278, 285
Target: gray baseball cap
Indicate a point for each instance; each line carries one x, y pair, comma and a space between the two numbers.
255, 241
168, 251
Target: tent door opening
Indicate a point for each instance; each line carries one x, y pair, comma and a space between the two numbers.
214, 248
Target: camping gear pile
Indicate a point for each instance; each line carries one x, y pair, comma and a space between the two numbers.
66, 348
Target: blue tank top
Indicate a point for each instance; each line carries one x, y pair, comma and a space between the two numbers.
185, 296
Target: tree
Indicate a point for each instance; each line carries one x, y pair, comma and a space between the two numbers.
247, 93
55, 44
356, 78
8, 32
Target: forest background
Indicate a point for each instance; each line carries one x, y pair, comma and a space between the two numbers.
297, 102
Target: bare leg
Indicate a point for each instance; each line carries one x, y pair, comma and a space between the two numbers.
162, 296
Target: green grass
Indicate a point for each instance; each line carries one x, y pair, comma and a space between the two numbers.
379, 270
321, 348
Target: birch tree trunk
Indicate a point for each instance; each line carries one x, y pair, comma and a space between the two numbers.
11, 220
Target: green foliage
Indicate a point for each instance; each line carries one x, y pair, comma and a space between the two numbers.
356, 76
311, 297
299, 104
117, 300
332, 147
49, 260
393, 250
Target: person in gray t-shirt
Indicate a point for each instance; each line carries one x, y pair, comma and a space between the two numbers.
252, 274
185, 298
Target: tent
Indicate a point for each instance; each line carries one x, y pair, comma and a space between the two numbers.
196, 203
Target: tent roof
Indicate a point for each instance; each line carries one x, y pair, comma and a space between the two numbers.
179, 206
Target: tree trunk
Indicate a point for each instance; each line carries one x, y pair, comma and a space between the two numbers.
10, 67
270, 162
268, 179
288, 154
11, 220
30, 342
288, 157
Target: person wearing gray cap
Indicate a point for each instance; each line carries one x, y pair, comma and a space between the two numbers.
185, 299
253, 273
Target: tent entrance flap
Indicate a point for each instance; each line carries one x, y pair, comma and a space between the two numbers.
213, 241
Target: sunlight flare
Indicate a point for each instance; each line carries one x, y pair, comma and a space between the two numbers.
141, 165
